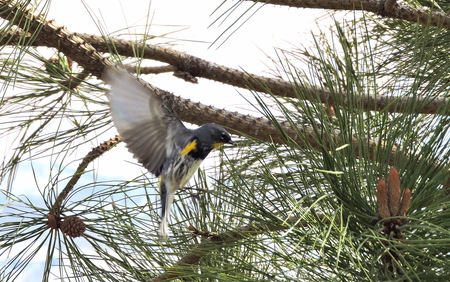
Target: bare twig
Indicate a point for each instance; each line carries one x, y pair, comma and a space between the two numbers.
151, 70
182, 63
72, 45
92, 155
84, 54
202, 68
387, 8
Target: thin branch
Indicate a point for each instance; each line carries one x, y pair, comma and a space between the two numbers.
227, 238
74, 82
385, 8
85, 55
198, 67
202, 68
91, 156
73, 46
151, 70
53, 35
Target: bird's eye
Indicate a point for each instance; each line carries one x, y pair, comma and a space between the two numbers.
223, 136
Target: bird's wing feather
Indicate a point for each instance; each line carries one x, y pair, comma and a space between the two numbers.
142, 119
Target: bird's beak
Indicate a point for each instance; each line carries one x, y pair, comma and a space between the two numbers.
217, 145
232, 143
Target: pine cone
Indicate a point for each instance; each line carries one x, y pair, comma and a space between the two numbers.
53, 221
73, 226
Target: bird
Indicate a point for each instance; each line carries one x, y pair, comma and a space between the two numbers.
157, 138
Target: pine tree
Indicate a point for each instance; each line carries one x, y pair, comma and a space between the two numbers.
343, 175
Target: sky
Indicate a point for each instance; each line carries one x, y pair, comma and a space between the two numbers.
191, 26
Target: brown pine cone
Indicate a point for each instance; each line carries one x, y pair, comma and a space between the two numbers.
73, 226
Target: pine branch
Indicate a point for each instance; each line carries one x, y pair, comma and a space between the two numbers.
90, 157
197, 67
385, 8
73, 46
259, 128
54, 36
202, 68
84, 54
221, 240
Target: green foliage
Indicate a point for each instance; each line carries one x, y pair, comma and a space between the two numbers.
312, 206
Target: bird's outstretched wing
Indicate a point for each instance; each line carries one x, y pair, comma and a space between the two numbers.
146, 125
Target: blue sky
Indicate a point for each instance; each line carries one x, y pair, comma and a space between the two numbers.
246, 49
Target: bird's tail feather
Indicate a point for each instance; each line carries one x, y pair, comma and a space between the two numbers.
166, 201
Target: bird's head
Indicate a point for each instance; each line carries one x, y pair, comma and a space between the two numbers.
214, 135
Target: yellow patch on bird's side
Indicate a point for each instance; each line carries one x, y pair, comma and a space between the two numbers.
217, 145
189, 147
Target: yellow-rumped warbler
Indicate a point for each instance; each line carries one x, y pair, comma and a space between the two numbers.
157, 137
